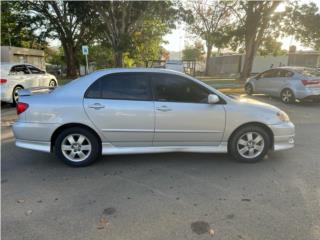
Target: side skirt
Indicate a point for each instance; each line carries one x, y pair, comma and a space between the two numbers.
109, 149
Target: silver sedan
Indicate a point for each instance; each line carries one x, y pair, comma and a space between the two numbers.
288, 83
123, 111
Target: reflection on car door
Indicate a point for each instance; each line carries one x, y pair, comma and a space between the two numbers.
183, 115
277, 83
121, 107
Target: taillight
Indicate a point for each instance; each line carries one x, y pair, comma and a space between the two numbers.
310, 82
21, 107
3, 81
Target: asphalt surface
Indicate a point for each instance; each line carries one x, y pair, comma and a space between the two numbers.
165, 196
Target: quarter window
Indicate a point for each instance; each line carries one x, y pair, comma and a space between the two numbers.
173, 88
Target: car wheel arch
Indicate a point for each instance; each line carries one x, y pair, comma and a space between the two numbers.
61, 128
259, 124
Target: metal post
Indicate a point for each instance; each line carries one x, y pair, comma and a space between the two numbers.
87, 66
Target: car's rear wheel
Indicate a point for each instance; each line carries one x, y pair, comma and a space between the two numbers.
77, 147
287, 96
15, 95
249, 144
52, 83
248, 88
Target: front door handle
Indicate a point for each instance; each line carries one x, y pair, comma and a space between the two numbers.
164, 109
96, 106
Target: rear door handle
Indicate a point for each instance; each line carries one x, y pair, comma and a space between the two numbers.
164, 109
96, 106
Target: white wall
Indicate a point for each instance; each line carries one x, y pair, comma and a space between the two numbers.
263, 63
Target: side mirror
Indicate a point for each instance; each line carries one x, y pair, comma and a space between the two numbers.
213, 99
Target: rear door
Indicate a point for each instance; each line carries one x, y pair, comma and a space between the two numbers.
20, 75
281, 80
183, 115
121, 107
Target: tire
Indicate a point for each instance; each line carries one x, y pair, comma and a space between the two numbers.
287, 96
248, 89
15, 96
52, 83
69, 152
240, 146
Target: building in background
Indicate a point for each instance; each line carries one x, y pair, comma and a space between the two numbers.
23, 55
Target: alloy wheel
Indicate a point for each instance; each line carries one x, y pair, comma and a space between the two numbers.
16, 94
76, 147
52, 83
287, 96
250, 145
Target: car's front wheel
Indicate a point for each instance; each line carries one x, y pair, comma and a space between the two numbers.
249, 144
52, 83
248, 88
77, 147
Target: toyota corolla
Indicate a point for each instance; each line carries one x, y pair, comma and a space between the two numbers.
130, 111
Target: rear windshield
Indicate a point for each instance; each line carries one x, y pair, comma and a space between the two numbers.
310, 72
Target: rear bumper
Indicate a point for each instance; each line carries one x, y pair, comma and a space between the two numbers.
308, 93
34, 145
6, 94
284, 134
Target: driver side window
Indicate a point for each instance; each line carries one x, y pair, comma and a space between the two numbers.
174, 88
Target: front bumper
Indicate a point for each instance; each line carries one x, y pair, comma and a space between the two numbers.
284, 134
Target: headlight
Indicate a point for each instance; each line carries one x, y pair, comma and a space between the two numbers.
283, 116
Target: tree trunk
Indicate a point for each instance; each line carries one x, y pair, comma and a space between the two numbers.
209, 49
70, 60
248, 60
117, 57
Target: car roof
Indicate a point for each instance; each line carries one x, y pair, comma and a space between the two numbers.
293, 68
128, 70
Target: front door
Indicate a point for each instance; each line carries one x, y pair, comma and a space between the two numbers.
263, 83
121, 107
183, 115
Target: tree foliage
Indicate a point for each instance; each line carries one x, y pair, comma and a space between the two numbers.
211, 21
194, 52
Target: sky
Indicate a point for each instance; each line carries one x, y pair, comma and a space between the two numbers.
179, 38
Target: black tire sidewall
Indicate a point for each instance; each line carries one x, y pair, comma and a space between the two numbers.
234, 139
95, 152
55, 82
13, 100
251, 89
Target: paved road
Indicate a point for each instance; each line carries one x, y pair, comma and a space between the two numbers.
166, 196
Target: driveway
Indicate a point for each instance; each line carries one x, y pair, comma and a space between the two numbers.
165, 196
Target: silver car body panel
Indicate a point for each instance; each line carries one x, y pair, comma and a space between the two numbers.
274, 85
138, 126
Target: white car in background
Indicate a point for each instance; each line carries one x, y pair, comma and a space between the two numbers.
17, 76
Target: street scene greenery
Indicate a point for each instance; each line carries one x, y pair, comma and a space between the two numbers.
129, 33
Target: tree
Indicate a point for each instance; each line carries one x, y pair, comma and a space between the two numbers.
73, 23
121, 22
18, 29
194, 52
210, 21
257, 20
270, 46
303, 22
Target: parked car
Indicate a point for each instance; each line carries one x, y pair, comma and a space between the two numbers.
288, 83
176, 65
123, 111
15, 77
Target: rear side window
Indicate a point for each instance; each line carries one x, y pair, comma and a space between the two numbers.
269, 74
124, 86
174, 88
285, 73
19, 69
